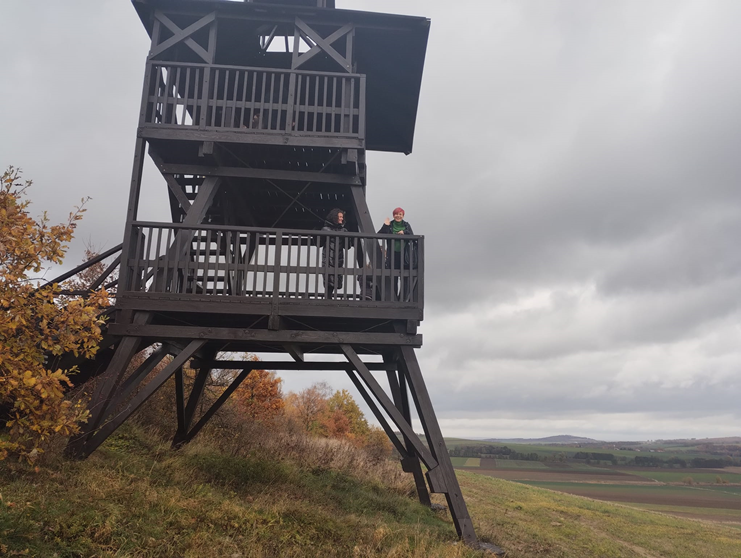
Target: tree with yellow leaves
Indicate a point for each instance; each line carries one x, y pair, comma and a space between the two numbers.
35, 323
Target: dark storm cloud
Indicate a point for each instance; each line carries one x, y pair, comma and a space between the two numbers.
575, 173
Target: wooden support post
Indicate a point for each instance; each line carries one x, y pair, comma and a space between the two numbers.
155, 383
106, 388
195, 396
216, 406
458, 510
409, 464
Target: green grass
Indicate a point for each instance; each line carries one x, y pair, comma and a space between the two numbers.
137, 498
531, 522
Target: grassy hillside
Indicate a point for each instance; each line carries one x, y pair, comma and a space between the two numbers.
136, 497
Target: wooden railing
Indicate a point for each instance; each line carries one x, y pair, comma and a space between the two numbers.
211, 97
279, 263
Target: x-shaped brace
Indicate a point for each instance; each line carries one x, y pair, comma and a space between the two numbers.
184, 35
322, 44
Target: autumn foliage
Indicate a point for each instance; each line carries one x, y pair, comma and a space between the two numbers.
319, 412
259, 396
35, 322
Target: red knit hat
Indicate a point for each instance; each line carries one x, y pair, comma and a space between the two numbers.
399, 210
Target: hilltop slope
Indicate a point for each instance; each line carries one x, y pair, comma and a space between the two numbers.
136, 497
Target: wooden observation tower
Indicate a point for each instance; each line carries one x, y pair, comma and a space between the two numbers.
258, 116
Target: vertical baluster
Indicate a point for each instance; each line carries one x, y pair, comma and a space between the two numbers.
318, 270
351, 115
316, 100
308, 265
261, 120
225, 100
252, 105
195, 237
361, 108
227, 238
207, 266
234, 99
213, 99
297, 112
334, 103
186, 97
245, 262
157, 262
166, 97
289, 273
243, 111
166, 261
343, 108
272, 99
324, 104
280, 124
265, 265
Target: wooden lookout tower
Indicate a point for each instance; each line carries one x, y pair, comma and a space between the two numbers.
258, 115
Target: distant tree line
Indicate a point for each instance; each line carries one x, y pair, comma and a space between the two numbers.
679, 463
501, 452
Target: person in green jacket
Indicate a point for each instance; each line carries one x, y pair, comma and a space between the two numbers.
400, 255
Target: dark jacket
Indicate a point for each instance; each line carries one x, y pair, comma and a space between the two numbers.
410, 247
333, 252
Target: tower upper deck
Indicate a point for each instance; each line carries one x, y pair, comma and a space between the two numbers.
314, 63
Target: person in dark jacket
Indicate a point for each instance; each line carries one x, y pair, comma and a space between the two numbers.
333, 252
400, 255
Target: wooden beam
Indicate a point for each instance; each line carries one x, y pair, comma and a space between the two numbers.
265, 336
282, 365
264, 174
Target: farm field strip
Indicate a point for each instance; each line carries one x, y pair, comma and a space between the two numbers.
683, 496
702, 475
546, 474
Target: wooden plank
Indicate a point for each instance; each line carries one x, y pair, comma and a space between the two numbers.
247, 172
289, 365
308, 307
262, 137
281, 337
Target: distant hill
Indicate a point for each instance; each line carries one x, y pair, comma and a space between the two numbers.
561, 439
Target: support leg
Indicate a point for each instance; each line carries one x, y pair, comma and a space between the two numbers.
154, 384
411, 463
410, 368
106, 388
189, 410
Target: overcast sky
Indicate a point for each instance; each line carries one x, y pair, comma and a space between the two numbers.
576, 172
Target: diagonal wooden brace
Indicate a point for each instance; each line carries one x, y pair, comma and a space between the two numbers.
389, 406
182, 35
